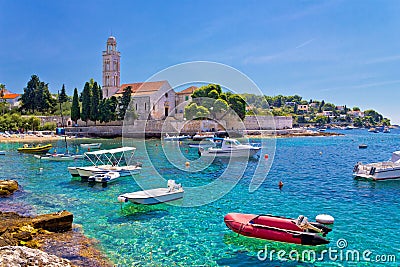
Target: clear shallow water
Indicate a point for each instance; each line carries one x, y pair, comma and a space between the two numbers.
366, 213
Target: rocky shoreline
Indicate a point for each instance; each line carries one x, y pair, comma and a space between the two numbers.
44, 240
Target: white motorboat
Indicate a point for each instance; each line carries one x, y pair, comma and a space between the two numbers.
386, 130
154, 196
91, 145
58, 157
176, 137
386, 170
73, 171
205, 143
107, 177
202, 136
104, 161
2, 153
229, 148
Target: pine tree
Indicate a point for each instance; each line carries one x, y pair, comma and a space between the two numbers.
94, 104
28, 97
85, 115
75, 109
36, 97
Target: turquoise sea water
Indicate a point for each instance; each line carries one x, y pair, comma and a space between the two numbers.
317, 176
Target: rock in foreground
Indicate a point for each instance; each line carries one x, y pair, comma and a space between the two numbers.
8, 187
23, 256
20, 230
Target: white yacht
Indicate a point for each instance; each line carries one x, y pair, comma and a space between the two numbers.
154, 196
386, 170
229, 147
104, 161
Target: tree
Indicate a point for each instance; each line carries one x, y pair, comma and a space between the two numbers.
62, 98
86, 95
107, 109
321, 106
94, 104
321, 120
124, 103
220, 106
2, 91
27, 98
238, 105
75, 108
205, 91
356, 109
37, 97
194, 111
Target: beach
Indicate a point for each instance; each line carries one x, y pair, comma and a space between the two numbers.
29, 138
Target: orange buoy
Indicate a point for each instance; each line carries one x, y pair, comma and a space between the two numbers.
187, 164
266, 156
280, 184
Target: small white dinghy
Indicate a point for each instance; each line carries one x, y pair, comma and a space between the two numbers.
2, 153
154, 196
107, 177
91, 145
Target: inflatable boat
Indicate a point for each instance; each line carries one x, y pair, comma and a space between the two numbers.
297, 231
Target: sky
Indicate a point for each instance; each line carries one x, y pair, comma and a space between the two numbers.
344, 52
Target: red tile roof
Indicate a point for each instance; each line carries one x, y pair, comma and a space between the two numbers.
187, 91
10, 96
142, 88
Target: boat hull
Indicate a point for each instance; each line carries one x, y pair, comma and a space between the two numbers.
56, 157
271, 228
73, 171
92, 146
215, 152
86, 172
35, 150
377, 171
151, 197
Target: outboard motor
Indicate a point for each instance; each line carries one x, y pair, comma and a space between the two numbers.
355, 169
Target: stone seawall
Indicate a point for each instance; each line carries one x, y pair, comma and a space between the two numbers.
155, 128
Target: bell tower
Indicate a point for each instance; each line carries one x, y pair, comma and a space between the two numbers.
111, 68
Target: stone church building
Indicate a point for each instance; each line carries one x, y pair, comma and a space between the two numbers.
151, 100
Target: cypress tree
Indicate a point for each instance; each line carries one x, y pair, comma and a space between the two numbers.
125, 100
85, 115
75, 109
94, 104
63, 95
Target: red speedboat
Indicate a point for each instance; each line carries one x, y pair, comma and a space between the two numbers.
297, 231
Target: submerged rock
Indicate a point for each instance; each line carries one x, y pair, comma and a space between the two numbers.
23, 256
8, 187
